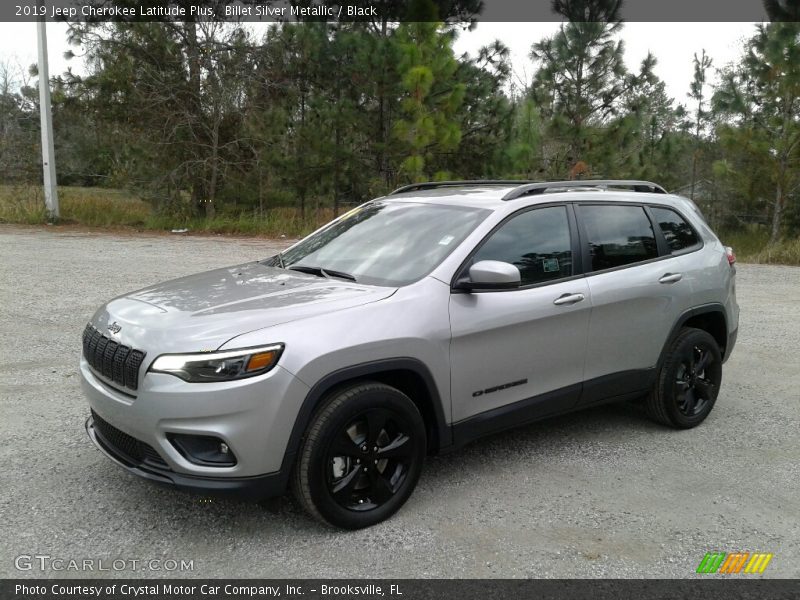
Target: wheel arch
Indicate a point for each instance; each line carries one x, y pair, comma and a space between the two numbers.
711, 318
408, 375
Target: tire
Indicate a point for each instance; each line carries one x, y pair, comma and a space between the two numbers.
688, 381
361, 457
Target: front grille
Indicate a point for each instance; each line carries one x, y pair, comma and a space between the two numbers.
128, 446
111, 359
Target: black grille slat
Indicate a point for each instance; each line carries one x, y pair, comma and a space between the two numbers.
87, 336
118, 368
96, 335
98, 353
132, 364
134, 450
111, 359
108, 358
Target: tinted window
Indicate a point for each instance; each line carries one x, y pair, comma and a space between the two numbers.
537, 242
618, 235
676, 230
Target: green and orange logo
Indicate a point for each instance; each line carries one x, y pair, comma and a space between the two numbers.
735, 562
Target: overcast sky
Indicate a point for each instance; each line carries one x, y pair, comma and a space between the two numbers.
673, 44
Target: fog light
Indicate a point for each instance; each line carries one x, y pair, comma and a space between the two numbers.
203, 450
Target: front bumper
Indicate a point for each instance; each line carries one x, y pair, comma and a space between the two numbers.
254, 417
250, 488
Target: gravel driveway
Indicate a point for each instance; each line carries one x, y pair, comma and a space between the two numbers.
603, 493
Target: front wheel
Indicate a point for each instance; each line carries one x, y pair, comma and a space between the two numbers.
361, 457
688, 380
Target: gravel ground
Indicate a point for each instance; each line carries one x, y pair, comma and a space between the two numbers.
602, 493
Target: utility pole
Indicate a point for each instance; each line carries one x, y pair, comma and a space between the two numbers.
46, 118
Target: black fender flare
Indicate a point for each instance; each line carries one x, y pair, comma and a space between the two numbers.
712, 307
318, 391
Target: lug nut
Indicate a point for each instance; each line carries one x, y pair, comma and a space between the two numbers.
364, 448
365, 469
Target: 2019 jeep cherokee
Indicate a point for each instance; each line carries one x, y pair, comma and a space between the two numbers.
413, 324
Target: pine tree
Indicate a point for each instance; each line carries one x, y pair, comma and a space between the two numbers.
431, 97
581, 74
697, 93
762, 94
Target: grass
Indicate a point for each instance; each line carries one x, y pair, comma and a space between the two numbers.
752, 246
275, 222
117, 209
94, 207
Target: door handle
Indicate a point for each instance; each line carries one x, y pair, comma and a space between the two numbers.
568, 299
670, 278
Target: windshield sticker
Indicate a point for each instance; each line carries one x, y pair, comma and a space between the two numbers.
446, 240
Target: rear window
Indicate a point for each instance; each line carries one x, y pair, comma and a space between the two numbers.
678, 233
618, 235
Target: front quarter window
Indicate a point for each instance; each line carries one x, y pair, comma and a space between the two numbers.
385, 243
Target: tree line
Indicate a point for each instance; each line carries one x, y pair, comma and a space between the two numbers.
204, 118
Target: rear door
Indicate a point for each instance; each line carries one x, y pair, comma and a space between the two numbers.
523, 346
638, 291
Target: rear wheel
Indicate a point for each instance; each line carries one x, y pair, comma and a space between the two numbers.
688, 380
362, 456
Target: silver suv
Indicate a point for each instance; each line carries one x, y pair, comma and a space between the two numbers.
412, 325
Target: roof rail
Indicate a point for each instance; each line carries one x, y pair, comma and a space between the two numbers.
543, 186
429, 185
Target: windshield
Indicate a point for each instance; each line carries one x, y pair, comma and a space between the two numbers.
385, 243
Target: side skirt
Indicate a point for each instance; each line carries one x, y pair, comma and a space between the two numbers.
616, 387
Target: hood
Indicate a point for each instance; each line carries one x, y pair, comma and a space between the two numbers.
203, 311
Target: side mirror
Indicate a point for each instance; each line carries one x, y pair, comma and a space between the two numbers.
491, 275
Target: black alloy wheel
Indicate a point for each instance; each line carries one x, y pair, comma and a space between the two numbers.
361, 457
688, 380
369, 460
694, 385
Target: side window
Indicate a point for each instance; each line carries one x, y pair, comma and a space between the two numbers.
676, 230
536, 241
618, 235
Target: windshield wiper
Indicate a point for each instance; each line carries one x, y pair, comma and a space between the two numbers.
339, 274
320, 272
273, 261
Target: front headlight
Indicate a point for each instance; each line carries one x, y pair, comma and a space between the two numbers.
219, 366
